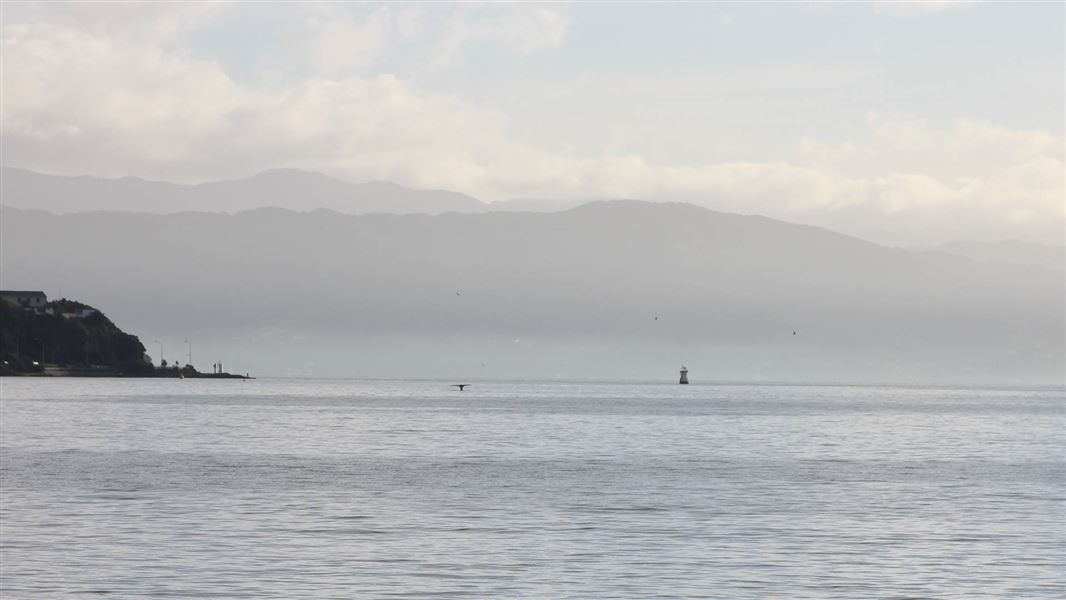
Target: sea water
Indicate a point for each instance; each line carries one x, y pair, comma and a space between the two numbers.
135, 488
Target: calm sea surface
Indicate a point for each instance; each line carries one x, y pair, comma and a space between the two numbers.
304, 488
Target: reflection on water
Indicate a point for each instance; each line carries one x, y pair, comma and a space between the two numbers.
295, 488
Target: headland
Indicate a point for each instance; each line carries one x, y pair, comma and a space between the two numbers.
67, 338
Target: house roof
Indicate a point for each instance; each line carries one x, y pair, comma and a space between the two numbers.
20, 293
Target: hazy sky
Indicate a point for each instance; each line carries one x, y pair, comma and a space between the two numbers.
886, 120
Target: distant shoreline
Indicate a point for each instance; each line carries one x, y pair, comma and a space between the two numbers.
158, 374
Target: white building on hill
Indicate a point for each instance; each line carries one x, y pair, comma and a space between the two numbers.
34, 300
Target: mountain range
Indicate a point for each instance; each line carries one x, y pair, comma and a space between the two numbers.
607, 289
294, 189
300, 190
282, 188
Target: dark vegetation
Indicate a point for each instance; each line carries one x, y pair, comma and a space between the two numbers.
29, 340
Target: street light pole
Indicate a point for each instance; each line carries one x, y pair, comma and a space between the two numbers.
160, 352
190, 351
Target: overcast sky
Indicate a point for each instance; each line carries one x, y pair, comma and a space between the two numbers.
904, 123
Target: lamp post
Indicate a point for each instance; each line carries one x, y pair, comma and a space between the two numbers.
190, 352
160, 352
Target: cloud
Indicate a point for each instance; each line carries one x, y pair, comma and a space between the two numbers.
910, 8
342, 44
143, 22
907, 164
84, 100
526, 32
966, 144
69, 92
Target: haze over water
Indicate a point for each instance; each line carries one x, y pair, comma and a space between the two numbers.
372, 488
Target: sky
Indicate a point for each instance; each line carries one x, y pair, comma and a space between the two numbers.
903, 123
